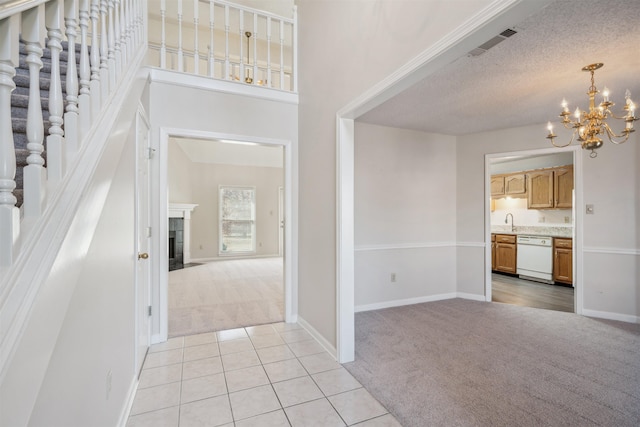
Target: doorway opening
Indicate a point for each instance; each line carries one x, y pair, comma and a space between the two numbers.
533, 229
219, 284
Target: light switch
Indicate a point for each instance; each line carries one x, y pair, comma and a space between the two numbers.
589, 210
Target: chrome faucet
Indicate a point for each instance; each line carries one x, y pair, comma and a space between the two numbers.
506, 220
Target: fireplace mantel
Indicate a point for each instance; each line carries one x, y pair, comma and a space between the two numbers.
183, 210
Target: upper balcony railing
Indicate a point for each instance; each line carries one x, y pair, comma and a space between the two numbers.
223, 40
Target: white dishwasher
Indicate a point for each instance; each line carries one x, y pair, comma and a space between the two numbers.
535, 258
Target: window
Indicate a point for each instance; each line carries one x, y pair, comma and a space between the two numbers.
237, 220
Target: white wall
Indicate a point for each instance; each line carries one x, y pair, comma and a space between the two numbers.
345, 48
82, 322
405, 207
198, 183
611, 243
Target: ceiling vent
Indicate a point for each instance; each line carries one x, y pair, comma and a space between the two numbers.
492, 42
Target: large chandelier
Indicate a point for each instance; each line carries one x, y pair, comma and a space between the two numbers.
590, 125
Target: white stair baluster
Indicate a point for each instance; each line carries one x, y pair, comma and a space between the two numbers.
34, 172
71, 113
294, 47
255, 48
9, 213
281, 55
227, 68
196, 54
118, 36
127, 17
84, 106
111, 49
180, 53
268, 51
163, 35
212, 59
139, 22
95, 85
104, 65
124, 53
56, 161
241, 38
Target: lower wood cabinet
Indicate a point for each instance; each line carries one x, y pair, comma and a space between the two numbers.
493, 252
563, 260
505, 253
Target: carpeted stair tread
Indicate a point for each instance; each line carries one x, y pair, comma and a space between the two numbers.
22, 101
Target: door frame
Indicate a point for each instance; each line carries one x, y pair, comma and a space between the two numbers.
578, 218
141, 120
159, 213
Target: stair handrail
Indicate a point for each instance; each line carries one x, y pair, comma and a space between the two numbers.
13, 7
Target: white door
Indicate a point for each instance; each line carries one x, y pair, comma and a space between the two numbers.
143, 243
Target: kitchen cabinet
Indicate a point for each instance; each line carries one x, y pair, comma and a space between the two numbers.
563, 260
509, 185
551, 188
497, 185
505, 253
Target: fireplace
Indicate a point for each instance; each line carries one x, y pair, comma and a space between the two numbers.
176, 243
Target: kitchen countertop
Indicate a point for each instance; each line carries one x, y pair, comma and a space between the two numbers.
551, 231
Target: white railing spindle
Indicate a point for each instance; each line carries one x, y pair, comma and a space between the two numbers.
212, 59
95, 86
163, 34
294, 48
281, 54
84, 106
111, 46
116, 35
268, 51
180, 52
55, 140
255, 48
123, 34
104, 53
71, 113
34, 172
241, 38
227, 68
9, 213
196, 54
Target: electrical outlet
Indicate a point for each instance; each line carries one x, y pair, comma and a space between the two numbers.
393, 277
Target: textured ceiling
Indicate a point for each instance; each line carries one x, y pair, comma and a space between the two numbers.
522, 80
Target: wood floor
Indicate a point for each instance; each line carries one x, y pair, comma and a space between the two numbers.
527, 293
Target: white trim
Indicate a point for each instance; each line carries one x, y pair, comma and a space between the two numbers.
229, 258
402, 302
181, 210
128, 403
158, 75
612, 251
472, 244
629, 318
485, 24
160, 214
318, 337
396, 246
472, 297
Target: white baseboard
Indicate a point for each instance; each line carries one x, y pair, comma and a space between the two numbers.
318, 337
629, 318
126, 410
231, 257
156, 339
401, 302
473, 297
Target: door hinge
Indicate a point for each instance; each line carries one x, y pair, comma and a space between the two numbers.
150, 152
148, 231
149, 310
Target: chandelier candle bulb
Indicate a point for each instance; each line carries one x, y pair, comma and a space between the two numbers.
605, 94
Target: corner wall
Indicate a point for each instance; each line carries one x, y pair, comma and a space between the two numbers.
405, 208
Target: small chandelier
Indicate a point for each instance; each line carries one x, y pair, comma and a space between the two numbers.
589, 125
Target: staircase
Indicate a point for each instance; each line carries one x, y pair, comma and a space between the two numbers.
20, 104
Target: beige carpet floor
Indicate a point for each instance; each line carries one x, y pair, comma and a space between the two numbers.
224, 295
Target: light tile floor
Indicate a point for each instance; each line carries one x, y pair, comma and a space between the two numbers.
263, 376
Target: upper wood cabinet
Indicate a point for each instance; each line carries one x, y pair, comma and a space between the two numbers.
497, 185
563, 187
509, 185
551, 188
